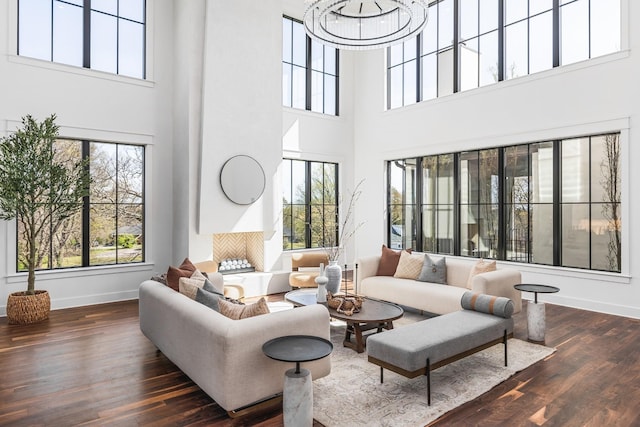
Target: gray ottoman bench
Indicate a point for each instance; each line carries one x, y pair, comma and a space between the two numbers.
421, 347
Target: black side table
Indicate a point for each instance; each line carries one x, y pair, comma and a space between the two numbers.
536, 323
297, 395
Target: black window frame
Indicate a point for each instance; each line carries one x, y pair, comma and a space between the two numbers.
86, 35
85, 214
501, 48
417, 240
307, 205
308, 68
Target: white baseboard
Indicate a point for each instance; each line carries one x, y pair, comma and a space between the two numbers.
60, 303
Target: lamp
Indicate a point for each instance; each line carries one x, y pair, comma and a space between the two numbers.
364, 24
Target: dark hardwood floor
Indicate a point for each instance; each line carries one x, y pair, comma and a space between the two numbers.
92, 366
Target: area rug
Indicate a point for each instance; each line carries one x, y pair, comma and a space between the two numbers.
353, 396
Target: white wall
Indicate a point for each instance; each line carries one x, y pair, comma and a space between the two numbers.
95, 106
241, 113
595, 96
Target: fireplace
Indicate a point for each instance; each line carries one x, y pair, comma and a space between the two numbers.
239, 246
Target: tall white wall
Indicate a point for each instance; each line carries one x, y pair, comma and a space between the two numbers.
95, 106
599, 95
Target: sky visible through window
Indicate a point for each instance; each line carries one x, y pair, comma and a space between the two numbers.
53, 30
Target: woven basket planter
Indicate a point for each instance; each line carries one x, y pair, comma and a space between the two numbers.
25, 309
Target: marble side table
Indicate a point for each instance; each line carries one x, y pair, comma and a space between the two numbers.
297, 395
536, 323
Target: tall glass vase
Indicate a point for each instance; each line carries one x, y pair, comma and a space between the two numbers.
334, 277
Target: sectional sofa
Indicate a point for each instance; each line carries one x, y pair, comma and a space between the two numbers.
223, 356
437, 298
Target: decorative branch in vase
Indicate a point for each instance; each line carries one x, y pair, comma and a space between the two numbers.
336, 234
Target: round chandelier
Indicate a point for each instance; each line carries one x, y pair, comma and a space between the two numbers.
364, 24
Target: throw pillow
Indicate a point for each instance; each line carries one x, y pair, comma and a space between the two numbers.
409, 266
481, 266
174, 274
389, 261
210, 299
189, 285
210, 287
236, 312
162, 278
433, 271
498, 306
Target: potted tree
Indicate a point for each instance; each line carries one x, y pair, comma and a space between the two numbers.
41, 191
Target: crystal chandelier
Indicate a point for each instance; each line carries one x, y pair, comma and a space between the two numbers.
364, 24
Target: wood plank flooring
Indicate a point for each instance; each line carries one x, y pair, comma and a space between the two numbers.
92, 366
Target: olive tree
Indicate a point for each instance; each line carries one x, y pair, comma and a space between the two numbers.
37, 189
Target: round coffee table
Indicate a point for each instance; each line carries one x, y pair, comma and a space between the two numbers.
374, 314
297, 394
536, 323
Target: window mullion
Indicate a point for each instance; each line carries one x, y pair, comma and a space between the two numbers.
419, 68
456, 48
307, 200
308, 74
86, 210
86, 34
502, 218
556, 33
501, 65
557, 206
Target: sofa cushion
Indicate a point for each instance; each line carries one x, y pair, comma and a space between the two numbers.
174, 274
481, 266
388, 261
438, 338
498, 306
433, 271
236, 312
409, 266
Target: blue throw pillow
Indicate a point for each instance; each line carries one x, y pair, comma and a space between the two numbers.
434, 272
498, 306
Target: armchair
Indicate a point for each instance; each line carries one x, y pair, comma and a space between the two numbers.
305, 267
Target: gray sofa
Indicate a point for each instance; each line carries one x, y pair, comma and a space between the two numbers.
434, 297
222, 356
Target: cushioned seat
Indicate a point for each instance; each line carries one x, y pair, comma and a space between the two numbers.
231, 290
305, 268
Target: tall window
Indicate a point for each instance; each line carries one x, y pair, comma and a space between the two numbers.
309, 203
479, 205
110, 227
402, 65
309, 71
552, 202
472, 43
402, 203
437, 219
105, 35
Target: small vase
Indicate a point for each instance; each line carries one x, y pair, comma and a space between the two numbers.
334, 277
321, 281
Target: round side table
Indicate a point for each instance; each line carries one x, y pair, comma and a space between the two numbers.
297, 394
536, 323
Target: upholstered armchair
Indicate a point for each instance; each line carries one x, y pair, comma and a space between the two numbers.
305, 267
231, 290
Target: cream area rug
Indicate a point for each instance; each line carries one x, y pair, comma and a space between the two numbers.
353, 396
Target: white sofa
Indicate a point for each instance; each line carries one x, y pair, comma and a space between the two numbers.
434, 297
222, 356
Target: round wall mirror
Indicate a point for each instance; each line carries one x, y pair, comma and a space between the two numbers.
242, 179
